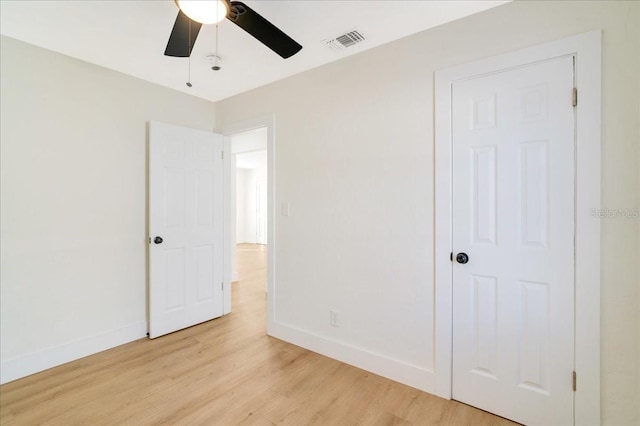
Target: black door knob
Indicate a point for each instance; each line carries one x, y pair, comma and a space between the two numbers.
462, 258
158, 240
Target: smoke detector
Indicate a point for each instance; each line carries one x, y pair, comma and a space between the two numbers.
214, 60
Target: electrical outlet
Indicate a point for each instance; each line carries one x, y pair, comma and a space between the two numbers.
334, 319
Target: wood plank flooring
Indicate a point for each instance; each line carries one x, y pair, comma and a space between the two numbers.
223, 372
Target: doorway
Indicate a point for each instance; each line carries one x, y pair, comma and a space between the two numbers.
249, 207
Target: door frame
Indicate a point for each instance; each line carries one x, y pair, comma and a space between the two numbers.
586, 48
227, 131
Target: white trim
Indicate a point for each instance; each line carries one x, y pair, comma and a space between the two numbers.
408, 374
44, 359
587, 50
267, 121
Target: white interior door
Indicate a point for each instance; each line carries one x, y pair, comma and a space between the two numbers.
185, 227
513, 216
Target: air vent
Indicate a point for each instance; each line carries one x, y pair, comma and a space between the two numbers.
345, 40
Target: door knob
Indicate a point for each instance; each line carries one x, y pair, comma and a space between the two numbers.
158, 240
462, 258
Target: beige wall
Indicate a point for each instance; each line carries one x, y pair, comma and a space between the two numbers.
73, 203
354, 157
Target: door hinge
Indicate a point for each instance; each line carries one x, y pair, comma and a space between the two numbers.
575, 381
575, 96
451, 256
222, 286
222, 155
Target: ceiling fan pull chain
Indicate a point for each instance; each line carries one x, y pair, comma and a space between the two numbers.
189, 45
216, 57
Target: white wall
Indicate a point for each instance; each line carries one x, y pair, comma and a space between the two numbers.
241, 205
246, 183
73, 185
251, 140
354, 157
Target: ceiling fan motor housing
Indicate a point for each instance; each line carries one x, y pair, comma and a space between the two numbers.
185, 31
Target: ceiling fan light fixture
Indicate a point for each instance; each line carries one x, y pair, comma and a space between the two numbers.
204, 11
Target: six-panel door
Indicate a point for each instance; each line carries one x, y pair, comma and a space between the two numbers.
186, 212
513, 214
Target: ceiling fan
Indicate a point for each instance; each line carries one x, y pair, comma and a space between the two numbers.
193, 14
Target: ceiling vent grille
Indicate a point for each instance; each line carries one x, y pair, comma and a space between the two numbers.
345, 40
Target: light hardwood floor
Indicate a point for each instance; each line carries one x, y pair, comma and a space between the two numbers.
223, 372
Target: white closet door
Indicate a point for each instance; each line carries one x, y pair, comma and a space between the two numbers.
513, 217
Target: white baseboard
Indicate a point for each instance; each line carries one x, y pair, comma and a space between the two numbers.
234, 276
44, 359
410, 375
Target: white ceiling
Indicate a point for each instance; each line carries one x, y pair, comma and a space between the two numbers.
130, 36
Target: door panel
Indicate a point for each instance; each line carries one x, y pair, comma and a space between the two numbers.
513, 214
186, 211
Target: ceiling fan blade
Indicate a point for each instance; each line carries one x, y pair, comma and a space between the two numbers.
179, 44
263, 30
